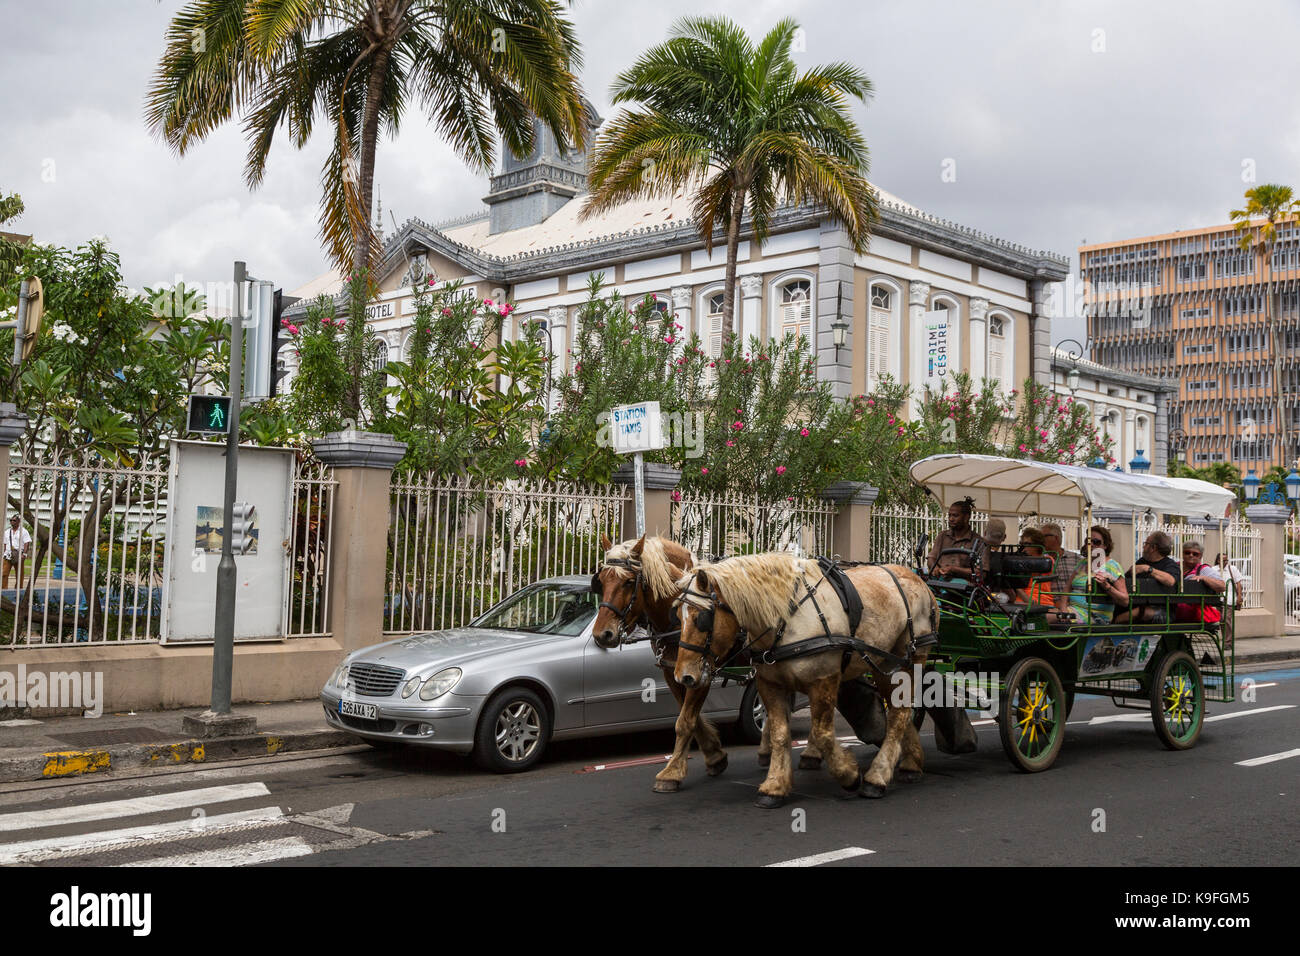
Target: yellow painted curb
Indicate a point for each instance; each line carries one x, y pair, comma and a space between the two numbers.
177, 753
274, 744
71, 762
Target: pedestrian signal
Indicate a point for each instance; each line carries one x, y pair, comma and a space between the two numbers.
209, 414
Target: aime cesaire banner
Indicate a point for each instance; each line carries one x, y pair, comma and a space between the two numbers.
196, 496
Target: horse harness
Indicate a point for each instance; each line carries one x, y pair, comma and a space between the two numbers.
660, 642
833, 573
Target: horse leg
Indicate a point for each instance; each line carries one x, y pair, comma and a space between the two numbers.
842, 765
765, 745
811, 758
780, 778
706, 735
881, 771
912, 762
669, 779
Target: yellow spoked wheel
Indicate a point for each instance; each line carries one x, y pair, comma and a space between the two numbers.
1178, 701
1031, 715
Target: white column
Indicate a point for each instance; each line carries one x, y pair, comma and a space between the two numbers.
751, 290
918, 299
557, 320
1130, 436
681, 297
978, 366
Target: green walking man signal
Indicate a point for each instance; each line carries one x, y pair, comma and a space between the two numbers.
209, 414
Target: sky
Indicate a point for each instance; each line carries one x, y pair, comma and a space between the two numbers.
1045, 123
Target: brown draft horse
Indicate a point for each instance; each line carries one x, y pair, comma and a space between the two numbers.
638, 582
763, 600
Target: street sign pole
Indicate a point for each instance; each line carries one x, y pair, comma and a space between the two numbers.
638, 470
223, 647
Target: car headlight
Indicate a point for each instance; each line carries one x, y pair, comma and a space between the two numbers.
340, 676
409, 687
440, 683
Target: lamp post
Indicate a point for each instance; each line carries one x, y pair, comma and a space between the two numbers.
839, 328
1178, 445
1293, 487
1139, 465
1072, 355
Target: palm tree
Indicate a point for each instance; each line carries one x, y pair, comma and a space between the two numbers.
740, 123
473, 66
1272, 203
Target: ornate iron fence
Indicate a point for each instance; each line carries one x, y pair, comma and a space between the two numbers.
309, 550
733, 524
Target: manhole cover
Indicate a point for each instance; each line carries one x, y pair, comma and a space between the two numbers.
126, 735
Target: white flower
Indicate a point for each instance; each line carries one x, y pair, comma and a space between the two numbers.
62, 331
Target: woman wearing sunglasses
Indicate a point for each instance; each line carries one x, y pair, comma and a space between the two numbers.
1097, 583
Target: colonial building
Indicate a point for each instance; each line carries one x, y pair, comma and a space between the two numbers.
1130, 409
1190, 306
929, 296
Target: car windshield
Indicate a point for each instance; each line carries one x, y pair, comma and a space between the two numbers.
544, 609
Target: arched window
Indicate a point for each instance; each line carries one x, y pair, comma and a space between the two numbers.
380, 358
1000, 351
882, 323
710, 326
795, 310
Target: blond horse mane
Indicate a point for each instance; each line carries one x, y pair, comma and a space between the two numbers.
660, 573
757, 587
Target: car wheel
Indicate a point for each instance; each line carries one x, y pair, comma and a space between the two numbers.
753, 715
512, 732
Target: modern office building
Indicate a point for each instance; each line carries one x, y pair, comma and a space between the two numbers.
1189, 307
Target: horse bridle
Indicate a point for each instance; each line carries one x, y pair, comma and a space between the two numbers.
704, 624
637, 582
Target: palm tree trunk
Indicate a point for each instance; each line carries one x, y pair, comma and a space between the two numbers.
366, 174
733, 253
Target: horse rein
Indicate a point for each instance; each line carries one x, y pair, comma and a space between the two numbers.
660, 642
704, 624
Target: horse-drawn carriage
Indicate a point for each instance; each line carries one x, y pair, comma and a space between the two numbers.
821, 628
1042, 660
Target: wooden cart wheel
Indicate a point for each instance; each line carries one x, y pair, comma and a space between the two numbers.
1031, 715
1178, 701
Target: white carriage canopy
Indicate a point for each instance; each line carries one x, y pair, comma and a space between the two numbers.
1015, 486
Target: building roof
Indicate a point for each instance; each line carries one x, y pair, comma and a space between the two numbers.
1063, 358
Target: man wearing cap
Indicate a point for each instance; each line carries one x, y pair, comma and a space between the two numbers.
18, 544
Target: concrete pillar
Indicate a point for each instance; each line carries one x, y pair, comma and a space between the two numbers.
751, 292
660, 483
851, 526
681, 296
1040, 332
1268, 620
1120, 524
918, 300
363, 465
978, 365
557, 320
835, 290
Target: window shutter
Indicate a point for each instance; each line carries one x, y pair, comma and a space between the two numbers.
878, 345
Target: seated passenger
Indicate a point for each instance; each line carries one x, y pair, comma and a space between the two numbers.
1040, 585
995, 532
959, 534
1091, 599
1195, 570
1156, 573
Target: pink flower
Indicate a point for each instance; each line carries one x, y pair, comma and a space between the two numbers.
430, 282
780, 469
341, 323
737, 425
578, 367
487, 301
791, 498
677, 496
1024, 448
669, 339
871, 401
730, 443
900, 429
804, 432
522, 463
446, 311
704, 471
713, 365
1042, 432
327, 321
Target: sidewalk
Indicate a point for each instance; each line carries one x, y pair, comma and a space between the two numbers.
53, 747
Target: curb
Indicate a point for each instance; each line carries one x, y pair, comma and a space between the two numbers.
72, 763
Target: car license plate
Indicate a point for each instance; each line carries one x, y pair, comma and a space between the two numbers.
352, 708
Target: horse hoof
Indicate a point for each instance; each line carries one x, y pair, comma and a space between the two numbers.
766, 801
809, 763
764, 760
855, 785
909, 776
718, 768
871, 791
667, 786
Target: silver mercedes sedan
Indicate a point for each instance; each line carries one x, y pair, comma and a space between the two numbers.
525, 673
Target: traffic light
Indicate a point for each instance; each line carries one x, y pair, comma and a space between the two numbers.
280, 337
209, 414
259, 333
243, 531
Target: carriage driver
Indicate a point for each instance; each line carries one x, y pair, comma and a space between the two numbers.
959, 534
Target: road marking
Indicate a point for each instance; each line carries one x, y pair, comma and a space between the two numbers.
18, 723
1247, 713
1117, 719
245, 855
982, 723
1258, 686
1257, 761
84, 813
848, 853
33, 851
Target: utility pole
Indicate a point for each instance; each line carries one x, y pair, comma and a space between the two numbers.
218, 721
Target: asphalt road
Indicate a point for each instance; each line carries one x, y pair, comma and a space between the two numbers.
1115, 796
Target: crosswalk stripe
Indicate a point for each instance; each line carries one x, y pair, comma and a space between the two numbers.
245, 855
32, 851
1246, 713
1256, 761
86, 812
848, 853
